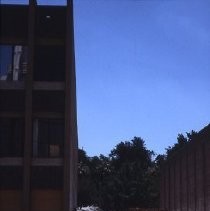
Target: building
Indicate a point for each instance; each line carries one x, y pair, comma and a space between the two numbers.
185, 179
38, 127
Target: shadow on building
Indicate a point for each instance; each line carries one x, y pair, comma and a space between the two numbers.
38, 127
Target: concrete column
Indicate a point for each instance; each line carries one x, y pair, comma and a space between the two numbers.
70, 145
28, 108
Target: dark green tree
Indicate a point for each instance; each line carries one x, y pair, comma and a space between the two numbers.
132, 169
181, 142
128, 177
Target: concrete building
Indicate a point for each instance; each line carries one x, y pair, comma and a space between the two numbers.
38, 127
185, 179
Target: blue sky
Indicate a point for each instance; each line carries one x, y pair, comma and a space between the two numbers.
143, 69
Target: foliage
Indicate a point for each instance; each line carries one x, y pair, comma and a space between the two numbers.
182, 141
128, 177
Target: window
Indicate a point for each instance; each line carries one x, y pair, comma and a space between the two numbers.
45, 177
12, 100
14, 20
50, 22
13, 62
50, 101
49, 63
11, 177
11, 137
48, 137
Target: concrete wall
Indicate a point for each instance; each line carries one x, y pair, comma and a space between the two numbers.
14, 197
41, 200
185, 180
46, 200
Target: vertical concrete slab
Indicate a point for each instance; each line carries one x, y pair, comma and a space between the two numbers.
184, 182
70, 145
28, 108
199, 178
207, 176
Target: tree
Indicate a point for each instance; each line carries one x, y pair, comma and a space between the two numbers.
93, 172
181, 142
131, 164
126, 178
86, 188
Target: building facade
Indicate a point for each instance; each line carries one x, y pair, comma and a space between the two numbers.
38, 126
185, 179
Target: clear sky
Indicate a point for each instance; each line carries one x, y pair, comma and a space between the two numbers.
143, 69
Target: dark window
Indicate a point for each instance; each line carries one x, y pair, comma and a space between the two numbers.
49, 63
12, 100
51, 101
13, 62
48, 137
51, 22
14, 21
47, 177
11, 177
11, 137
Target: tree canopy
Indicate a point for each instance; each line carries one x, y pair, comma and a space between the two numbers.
126, 178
